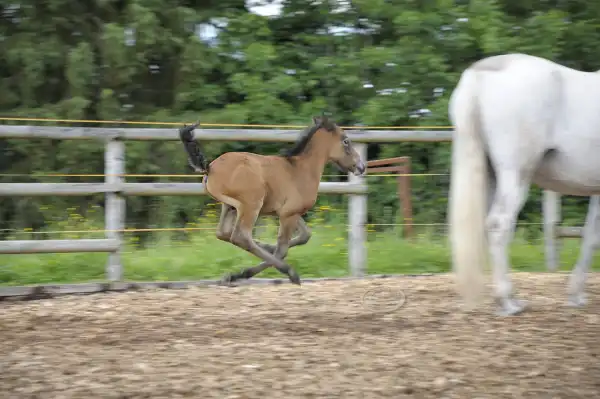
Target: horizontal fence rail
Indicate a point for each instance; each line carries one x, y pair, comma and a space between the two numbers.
58, 246
259, 135
143, 189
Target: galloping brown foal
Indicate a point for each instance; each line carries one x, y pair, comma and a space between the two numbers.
249, 185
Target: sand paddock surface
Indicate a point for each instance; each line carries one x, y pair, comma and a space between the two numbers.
321, 340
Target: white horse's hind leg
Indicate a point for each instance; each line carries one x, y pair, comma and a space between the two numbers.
591, 240
511, 193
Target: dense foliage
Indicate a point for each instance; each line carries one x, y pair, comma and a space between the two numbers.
375, 62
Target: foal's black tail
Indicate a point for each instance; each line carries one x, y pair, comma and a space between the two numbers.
196, 158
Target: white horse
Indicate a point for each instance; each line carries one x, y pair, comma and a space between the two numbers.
519, 119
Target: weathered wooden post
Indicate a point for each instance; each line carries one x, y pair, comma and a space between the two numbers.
357, 216
114, 168
552, 215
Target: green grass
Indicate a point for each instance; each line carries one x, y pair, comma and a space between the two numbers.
206, 257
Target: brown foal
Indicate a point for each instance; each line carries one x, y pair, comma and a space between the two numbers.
250, 185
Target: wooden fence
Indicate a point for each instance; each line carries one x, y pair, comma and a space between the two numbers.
117, 189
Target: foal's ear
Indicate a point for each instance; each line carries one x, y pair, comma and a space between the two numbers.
320, 120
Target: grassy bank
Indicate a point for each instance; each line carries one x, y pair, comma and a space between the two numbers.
203, 256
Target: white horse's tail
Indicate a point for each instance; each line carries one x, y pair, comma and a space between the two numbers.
468, 190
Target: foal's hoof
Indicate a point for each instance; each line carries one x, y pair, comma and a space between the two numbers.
227, 279
294, 278
511, 307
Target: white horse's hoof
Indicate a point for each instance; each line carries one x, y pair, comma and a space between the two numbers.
577, 300
511, 307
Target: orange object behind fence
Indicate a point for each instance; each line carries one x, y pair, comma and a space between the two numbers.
401, 167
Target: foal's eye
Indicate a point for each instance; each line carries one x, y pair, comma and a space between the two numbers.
346, 141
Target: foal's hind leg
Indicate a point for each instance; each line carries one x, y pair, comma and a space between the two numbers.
302, 238
226, 222
242, 237
511, 193
286, 229
591, 240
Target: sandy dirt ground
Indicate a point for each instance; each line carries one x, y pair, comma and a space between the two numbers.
356, 339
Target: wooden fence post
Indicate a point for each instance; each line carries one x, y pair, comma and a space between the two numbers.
401, 167
551, 214
114, 168
406, 201
357, 217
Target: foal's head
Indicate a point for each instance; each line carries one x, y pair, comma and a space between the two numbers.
325, 134
341, 150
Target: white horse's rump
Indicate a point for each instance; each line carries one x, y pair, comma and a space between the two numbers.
517, 119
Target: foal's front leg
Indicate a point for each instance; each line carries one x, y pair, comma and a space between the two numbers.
302, 238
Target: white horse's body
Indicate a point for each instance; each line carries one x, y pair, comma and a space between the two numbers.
519, 119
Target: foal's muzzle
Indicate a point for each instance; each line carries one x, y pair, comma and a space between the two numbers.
356, 170
359, 169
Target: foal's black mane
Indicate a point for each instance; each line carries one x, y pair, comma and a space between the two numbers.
301, 144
